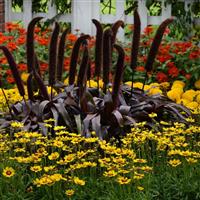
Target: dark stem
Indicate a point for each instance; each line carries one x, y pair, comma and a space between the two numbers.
51, 93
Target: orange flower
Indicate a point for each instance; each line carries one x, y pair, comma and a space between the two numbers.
12, 46
42, 41
72, 37
21, 40
140, 68
22, 66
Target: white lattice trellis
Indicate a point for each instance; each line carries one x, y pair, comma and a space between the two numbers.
85, 10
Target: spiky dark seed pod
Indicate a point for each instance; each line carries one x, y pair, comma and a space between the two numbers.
107, 56
30, 43
115, 28
136, 40
82, 75
61, 52
13, 67
98, 47
53, 54
41, 85
155, 44
74, 57
29, 87
118, 74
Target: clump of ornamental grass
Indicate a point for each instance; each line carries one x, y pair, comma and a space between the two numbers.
110, 112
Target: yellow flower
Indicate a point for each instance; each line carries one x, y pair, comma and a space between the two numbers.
189, 95
56, 177
92, 84
192, 105
147, 87
175, 94
8, 172
24, 77
69, 192
36, 168
154, 91
178, 83
49, 168
16, 124
152, 115
183, 101
191, 160
174, 162
123, 180
58, 128
78, 181
54, 156
198, 98
110, 173
197, 84
58, 143
155, 85
66, 81
69, 158
49, 120
140, 188
138, 85
165, 85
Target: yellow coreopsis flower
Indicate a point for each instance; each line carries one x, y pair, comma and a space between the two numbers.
54, 156
36, 168
16, 124
8, 172
69, 192
123, 180
174, 162
78, 181
110, 173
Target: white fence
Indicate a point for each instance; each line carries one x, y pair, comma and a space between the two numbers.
85, 10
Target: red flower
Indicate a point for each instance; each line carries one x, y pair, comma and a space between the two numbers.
71, 37
188, 76
127, 58
170, 64
8, 72
164, 58
173, 72
194, 54
21, 40
161, 77
12, 46
140, 68
42, 41
66, 63
43, 66
10, 79
148, 30
22, 66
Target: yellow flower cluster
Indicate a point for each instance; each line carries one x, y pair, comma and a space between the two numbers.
189, 98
